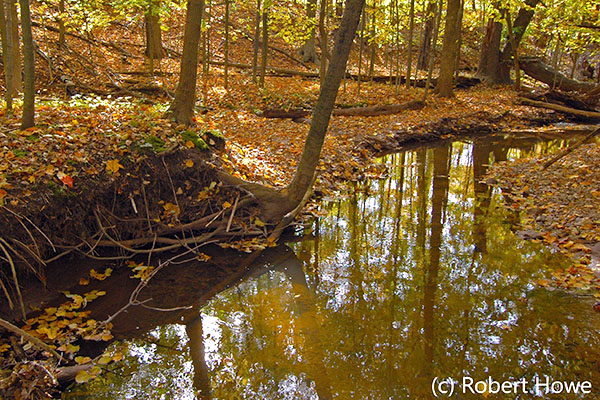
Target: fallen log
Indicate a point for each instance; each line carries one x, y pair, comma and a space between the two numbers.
386, 109
560, 98
570, 148
535, 68
559, 108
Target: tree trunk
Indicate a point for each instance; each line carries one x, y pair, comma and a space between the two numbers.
154, 48
449, 50
265, 45
524, 17
411, 30
489, 59
436, 29
360, 50
515, 51
324, 40
372, 45
256, 41
13, 64
28, 68
309, 160
459, 23
427, 33
226, 70
308, 51
61, 23
182, 107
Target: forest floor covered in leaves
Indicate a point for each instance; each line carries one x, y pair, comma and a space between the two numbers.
88, 150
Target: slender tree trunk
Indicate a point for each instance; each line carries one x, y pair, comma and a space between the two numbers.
309, 160
207, 53
515, 51
61, 23
324, 39
28, 68
13, 65
265, 45
256, 40
5, 57
436, 29
308, 51
154, 48
226, 72
372, 45
446, 80
182, 107
427, 33
411, 30
360, 51
459, 41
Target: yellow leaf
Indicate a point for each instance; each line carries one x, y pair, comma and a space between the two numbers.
113, 166
82, 377
118, 357
189, 163
105, 359
258, 222
189, 144
226, 205
84, 281
82, 360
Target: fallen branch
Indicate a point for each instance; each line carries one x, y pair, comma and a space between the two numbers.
559, 108
570, 148
32, 339
535, 68
386, 109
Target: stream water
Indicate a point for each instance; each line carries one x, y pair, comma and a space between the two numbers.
409, 279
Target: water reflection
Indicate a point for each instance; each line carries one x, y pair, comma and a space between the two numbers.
409, 278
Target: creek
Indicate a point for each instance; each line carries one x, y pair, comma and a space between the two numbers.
416, 277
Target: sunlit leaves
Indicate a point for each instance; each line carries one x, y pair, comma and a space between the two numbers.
113, 166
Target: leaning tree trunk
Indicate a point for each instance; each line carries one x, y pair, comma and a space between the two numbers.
182, 107
309, 160
427, 33
308, 51
524, 17
28, 67
489, 69
154, 48
61, 23
449, 50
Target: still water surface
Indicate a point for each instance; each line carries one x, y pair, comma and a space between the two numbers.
416, 276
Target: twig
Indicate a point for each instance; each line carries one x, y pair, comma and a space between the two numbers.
3, 246
232, 213
570, 149
32, 339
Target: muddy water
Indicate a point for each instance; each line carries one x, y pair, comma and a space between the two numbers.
411, 279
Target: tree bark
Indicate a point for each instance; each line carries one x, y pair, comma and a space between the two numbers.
425, 47
308, 51
154, 48
61, 23
256, 41
535, 68
265, 45
411, 30
226, 71
489, 59
449, 50
13, 64
324, 39
436, 28
309, 160
182, 107
28, 68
